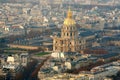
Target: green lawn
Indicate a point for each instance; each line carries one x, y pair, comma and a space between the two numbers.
42, 53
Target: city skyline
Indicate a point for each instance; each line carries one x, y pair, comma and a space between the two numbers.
59, 40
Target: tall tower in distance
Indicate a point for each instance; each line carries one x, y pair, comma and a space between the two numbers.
68, 41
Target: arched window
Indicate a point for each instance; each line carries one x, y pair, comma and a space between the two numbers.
64, 34
71, 34
67, 34
56, 42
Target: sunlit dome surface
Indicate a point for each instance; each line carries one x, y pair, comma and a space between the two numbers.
69, 21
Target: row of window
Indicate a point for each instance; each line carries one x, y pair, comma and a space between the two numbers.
63, 42
69, 28
69, 49
68, 34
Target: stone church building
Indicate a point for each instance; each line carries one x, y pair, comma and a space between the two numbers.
68, 41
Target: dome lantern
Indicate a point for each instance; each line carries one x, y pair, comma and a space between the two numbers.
69, 21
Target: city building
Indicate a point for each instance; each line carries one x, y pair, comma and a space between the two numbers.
96, 73
68, 41
24, 59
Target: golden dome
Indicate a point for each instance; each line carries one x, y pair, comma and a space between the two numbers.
69, 21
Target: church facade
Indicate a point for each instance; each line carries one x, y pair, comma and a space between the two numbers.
68, 41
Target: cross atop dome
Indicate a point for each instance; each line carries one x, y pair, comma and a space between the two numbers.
69, 13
